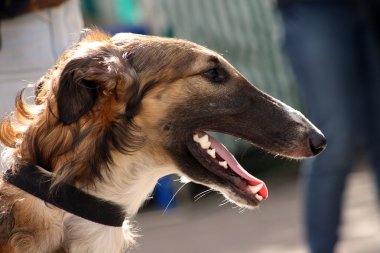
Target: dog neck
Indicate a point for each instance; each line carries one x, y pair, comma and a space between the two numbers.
130, 181
129, 184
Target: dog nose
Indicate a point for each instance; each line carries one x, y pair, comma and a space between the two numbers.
317, 142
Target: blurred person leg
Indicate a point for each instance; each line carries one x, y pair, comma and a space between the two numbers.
319, 39
30, 45
372, 111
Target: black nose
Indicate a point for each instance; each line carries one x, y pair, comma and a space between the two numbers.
317, 142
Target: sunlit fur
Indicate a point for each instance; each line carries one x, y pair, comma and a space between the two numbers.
112, 117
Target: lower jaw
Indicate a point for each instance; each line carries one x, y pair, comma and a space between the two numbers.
236, 196
232, 188
229, 183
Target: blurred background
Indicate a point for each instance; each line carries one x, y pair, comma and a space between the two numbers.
295, 50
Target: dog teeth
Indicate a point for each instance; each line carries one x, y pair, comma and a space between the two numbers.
211, 152
203, 141
255, 189
223, 164
205, 144
258, 197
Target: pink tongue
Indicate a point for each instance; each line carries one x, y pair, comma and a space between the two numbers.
222, 151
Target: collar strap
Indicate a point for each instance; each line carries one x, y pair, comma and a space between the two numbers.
66, 197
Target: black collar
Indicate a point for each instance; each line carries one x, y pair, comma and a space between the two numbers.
66, 197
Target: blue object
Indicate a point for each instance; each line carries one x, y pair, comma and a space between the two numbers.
164, 194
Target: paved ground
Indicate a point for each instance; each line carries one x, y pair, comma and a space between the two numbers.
204, 226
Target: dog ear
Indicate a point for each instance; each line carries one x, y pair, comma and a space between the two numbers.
82, 80
75, 96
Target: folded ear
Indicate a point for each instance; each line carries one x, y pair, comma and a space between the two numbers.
83, 78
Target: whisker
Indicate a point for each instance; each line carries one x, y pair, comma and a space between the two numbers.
171, 200
225, 201
202, 194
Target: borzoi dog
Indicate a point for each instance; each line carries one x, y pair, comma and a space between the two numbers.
114, 115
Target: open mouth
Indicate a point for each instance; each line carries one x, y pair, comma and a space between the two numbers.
215, 157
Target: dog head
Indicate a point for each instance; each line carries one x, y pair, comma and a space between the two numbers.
133, 94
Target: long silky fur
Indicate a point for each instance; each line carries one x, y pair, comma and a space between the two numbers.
35, 134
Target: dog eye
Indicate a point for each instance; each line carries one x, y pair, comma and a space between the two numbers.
216, 75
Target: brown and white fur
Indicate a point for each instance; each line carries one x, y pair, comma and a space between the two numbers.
77, 131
